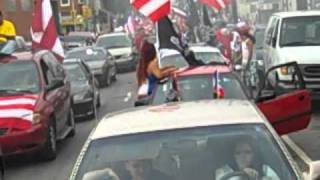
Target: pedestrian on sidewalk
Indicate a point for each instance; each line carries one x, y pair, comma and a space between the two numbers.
7, 29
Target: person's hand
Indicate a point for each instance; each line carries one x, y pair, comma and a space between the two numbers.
252, 173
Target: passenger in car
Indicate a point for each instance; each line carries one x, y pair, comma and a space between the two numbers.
245, 163
143, 170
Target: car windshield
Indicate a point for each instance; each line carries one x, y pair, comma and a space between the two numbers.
80, 39
300, 31
211, 152
174, 60
201, 87
110, 42
19, 77
210, 57
74, 72
88, 54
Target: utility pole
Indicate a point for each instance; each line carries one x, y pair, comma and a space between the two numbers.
235, 11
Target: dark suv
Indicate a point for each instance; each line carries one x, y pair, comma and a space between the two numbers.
35, 104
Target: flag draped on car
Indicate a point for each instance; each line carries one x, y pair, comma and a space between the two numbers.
218, 90
217, 4
154, 9
43, 31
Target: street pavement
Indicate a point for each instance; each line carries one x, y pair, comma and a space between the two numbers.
117, 97
25, 167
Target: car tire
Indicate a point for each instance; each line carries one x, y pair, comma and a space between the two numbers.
71, 123
98, 102
93, 115
108, 79
49, 151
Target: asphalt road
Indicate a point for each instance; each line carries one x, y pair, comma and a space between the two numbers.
26, 167
117, 97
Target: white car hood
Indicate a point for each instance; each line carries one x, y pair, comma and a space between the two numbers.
120, 51
301, 54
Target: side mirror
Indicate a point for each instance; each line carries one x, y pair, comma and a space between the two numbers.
266, 95
54, 85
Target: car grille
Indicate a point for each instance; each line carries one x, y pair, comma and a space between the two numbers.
3, 131
310, 71
118, 57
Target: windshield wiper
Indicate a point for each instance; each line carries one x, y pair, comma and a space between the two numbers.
14, 91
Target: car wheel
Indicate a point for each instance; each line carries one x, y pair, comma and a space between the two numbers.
72, 124
114, 77
98, 102
49, 151
93, 115
108, 79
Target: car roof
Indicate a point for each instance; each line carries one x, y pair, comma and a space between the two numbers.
204, 49
113, 34
178, 116
25, 56
203, 70
297, 13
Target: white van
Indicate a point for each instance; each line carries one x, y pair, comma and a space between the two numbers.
295, 36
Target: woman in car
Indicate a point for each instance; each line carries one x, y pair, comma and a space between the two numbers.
149, 72
245, 164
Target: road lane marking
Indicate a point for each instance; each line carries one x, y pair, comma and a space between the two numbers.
297, 149
128, 97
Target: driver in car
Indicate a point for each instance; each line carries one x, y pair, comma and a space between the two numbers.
143, 170
245, 165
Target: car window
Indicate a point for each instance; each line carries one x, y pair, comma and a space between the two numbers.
211, 152
270, 29
209, 57
75, 72
88, 54
55, 66
116, 41
175, 60
202, 87
300, 31
19, 76
47, 72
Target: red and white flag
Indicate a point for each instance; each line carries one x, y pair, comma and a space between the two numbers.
154, 9
217, 4
43, 30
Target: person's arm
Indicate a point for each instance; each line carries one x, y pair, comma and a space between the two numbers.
10, 32
161, 73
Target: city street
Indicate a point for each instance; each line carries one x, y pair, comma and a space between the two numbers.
114, 98
117, 97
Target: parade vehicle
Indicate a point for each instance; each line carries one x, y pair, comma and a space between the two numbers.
175, 140
84, 88
100, 62
294, 36
35, 103
78, 39
122, 48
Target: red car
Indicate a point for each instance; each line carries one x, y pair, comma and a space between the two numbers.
220, 82
35, 104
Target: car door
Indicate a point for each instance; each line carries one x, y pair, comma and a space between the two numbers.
285, 102
63, 92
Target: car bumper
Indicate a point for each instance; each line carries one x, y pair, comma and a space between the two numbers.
83, 109
24, 141
126, 64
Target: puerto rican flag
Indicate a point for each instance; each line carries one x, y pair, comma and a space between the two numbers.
218, 5
43, 31
154, 9
217, 88
16, 112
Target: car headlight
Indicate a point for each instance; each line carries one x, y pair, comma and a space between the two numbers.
287, 70
83, 96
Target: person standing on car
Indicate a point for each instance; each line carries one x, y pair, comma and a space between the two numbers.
149, 72
7, 29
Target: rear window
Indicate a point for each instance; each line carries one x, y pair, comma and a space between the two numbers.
19, 76
88, 54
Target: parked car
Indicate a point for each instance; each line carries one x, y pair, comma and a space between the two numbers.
100, 62
294, 36
84, 88
175, 140
121, 47
35, 104
78, 39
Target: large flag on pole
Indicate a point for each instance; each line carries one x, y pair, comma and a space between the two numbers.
154, 9
43, 31
217, 4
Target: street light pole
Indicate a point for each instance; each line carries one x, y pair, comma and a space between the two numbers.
235, 11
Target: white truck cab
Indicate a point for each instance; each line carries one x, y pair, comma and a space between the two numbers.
295, 36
